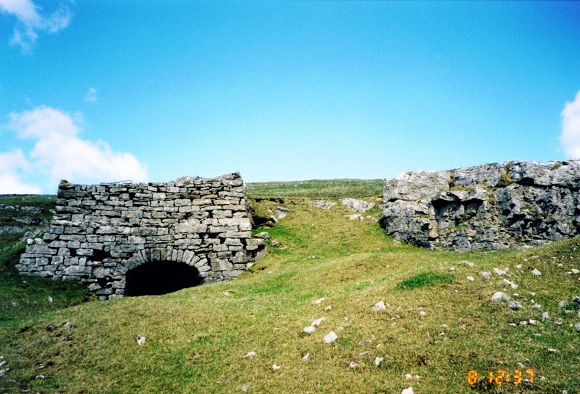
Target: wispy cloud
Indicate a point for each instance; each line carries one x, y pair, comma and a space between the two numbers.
570, 137
30, 21
59, 153
91, 95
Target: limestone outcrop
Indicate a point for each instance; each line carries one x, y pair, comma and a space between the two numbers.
101, 232
494, 206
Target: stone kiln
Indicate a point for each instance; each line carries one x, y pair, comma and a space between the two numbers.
100, 233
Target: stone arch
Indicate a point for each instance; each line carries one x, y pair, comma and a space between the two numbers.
160, 277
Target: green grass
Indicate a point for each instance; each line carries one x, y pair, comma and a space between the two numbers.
424, 279
338, 188
196, 338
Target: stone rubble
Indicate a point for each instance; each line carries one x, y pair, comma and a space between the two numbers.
359, 206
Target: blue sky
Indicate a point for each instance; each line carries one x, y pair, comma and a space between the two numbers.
95, 91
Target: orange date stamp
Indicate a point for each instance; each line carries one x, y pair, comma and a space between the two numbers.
499, 377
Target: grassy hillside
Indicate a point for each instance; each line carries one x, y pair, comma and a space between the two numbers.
436, 324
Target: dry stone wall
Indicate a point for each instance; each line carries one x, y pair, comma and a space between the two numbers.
493, 206
100, 232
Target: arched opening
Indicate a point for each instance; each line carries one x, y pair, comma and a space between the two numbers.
160, 277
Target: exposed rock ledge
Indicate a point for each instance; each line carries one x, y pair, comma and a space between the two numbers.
494, 206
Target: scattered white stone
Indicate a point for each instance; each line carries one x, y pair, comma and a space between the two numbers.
485, 274
533, 293
275, 367
317, 322
2, 363
408, 376
533, 322
352, 364
510, 283
536, 272
536, 306
499, 296
356, 216
50, 299
444, 326
470, 278
422, 314
523, 323
379, 360
227, 293
379, 306
577, 326
515, 305
318, 301
575, 271
309, 329
562, 304
250, 354
466, 262
558, 322
568, 311
3, 371
501, 272
37, 377
451, 269
545, 316
408, 390
516, 295
140, 340
513, 324
322, 204
519, 266
243, 388
521, 366
306, 356
330, 337
329, 307
552, 350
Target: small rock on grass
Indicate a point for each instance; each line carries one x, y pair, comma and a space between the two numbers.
379, 360
408, 390
318, 301
140, 340
309, 329
330, 337
515, 305
250, 354
352, 365
536, 272
470, 278
306, 356
545, 316
317, 322
577, 326
379, 306
485, 274
499, 296
276, 367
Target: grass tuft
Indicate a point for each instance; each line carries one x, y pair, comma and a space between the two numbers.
424, 279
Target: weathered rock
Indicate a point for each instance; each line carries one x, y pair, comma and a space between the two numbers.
280, 212
322, 204
494, 206
359, 206
101, 232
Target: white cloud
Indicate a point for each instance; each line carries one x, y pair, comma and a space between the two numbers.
59, 153
11, 163
30, 21
570, 137
91, 95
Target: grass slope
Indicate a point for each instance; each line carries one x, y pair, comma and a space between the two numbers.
196, 338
